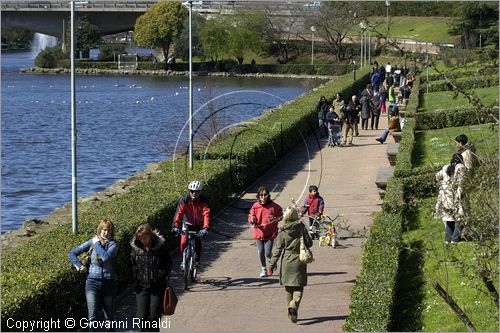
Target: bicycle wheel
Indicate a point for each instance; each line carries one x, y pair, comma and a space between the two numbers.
187, 268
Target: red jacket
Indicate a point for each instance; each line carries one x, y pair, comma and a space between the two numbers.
316, 205
196, 212
264, 230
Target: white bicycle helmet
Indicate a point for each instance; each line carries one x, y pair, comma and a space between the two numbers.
195, 185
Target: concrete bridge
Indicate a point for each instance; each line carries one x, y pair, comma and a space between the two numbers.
52, 17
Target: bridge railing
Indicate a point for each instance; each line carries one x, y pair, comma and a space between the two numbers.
16, 5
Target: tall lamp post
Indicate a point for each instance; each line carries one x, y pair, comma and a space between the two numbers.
313, 29
387, 4
189, 4
74, 201
362, 25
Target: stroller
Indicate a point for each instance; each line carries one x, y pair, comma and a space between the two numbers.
336, 129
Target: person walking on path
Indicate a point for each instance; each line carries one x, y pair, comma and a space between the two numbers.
100, 286
194, 207
348, 117
449, 205
334, 127
383, 99
322, 108
467, 150
264, 217
366, 107
375, 112
293, 273
151, 265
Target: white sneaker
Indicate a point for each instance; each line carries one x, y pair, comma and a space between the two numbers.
182, 267
263, 272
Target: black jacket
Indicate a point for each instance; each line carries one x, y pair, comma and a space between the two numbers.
150, 268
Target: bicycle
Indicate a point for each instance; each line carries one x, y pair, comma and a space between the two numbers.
323, 229
188, 258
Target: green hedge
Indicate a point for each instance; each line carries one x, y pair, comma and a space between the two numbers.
38, 281
489, 70
221, 66
463, 83
372, 295
454, 117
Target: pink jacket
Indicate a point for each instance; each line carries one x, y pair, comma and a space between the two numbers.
264, 229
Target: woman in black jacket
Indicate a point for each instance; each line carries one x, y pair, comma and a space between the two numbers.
151, 264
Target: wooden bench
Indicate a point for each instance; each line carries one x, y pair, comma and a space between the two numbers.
392, 150
396, 136
383, 174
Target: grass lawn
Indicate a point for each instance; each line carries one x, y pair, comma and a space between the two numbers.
423, 29
445, 99
419, 307
437, 146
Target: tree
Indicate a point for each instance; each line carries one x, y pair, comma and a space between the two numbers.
333, 22
245, 33
283, 30
182, 41
87, 36
159, 25
213, 36
474, 18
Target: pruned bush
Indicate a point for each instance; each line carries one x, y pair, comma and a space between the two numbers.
49, 57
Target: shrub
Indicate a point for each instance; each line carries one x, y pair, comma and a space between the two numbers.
49, 57
454, 117
110, 52
462, 83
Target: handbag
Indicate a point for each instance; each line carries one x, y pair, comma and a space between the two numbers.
169, 301
86, 259
305, 254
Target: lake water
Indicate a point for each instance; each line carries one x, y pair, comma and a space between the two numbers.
123, 124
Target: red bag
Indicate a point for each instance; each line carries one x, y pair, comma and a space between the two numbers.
169, 301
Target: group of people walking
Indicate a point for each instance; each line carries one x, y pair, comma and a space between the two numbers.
151, 263
340, 119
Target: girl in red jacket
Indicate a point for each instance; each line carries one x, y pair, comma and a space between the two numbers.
264, 217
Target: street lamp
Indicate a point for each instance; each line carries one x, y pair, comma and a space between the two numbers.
387, 4
313, 29
362, 25
189, 4
74, 201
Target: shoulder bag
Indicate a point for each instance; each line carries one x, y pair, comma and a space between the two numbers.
305, 254
169, 301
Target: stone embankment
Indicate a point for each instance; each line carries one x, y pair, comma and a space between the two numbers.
95, 71
62, 215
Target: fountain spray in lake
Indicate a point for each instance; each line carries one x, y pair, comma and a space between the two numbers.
40, 42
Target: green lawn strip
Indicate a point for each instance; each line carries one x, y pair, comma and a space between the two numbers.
435, 147
445, 99
427, 235
423, 29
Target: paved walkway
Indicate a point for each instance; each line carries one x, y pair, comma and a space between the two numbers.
230, 295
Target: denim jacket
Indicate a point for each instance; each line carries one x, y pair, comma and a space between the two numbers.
102, 259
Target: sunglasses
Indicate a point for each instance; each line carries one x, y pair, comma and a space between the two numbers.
195, 192
263, 195
313, 191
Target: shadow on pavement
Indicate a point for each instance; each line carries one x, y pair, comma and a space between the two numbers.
316, 320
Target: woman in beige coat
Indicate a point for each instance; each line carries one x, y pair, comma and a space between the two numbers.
293, 273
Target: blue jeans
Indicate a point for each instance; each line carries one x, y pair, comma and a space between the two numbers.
384, 135
452, 231
264, 248
100, 294
149, 304
322, 128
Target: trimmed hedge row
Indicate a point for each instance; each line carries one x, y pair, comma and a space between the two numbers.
38, 281
463, 83
222, 66
372, 295
458, 74
454, 117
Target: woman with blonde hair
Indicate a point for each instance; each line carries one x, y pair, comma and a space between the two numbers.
151, 266
293, 273
100, 287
